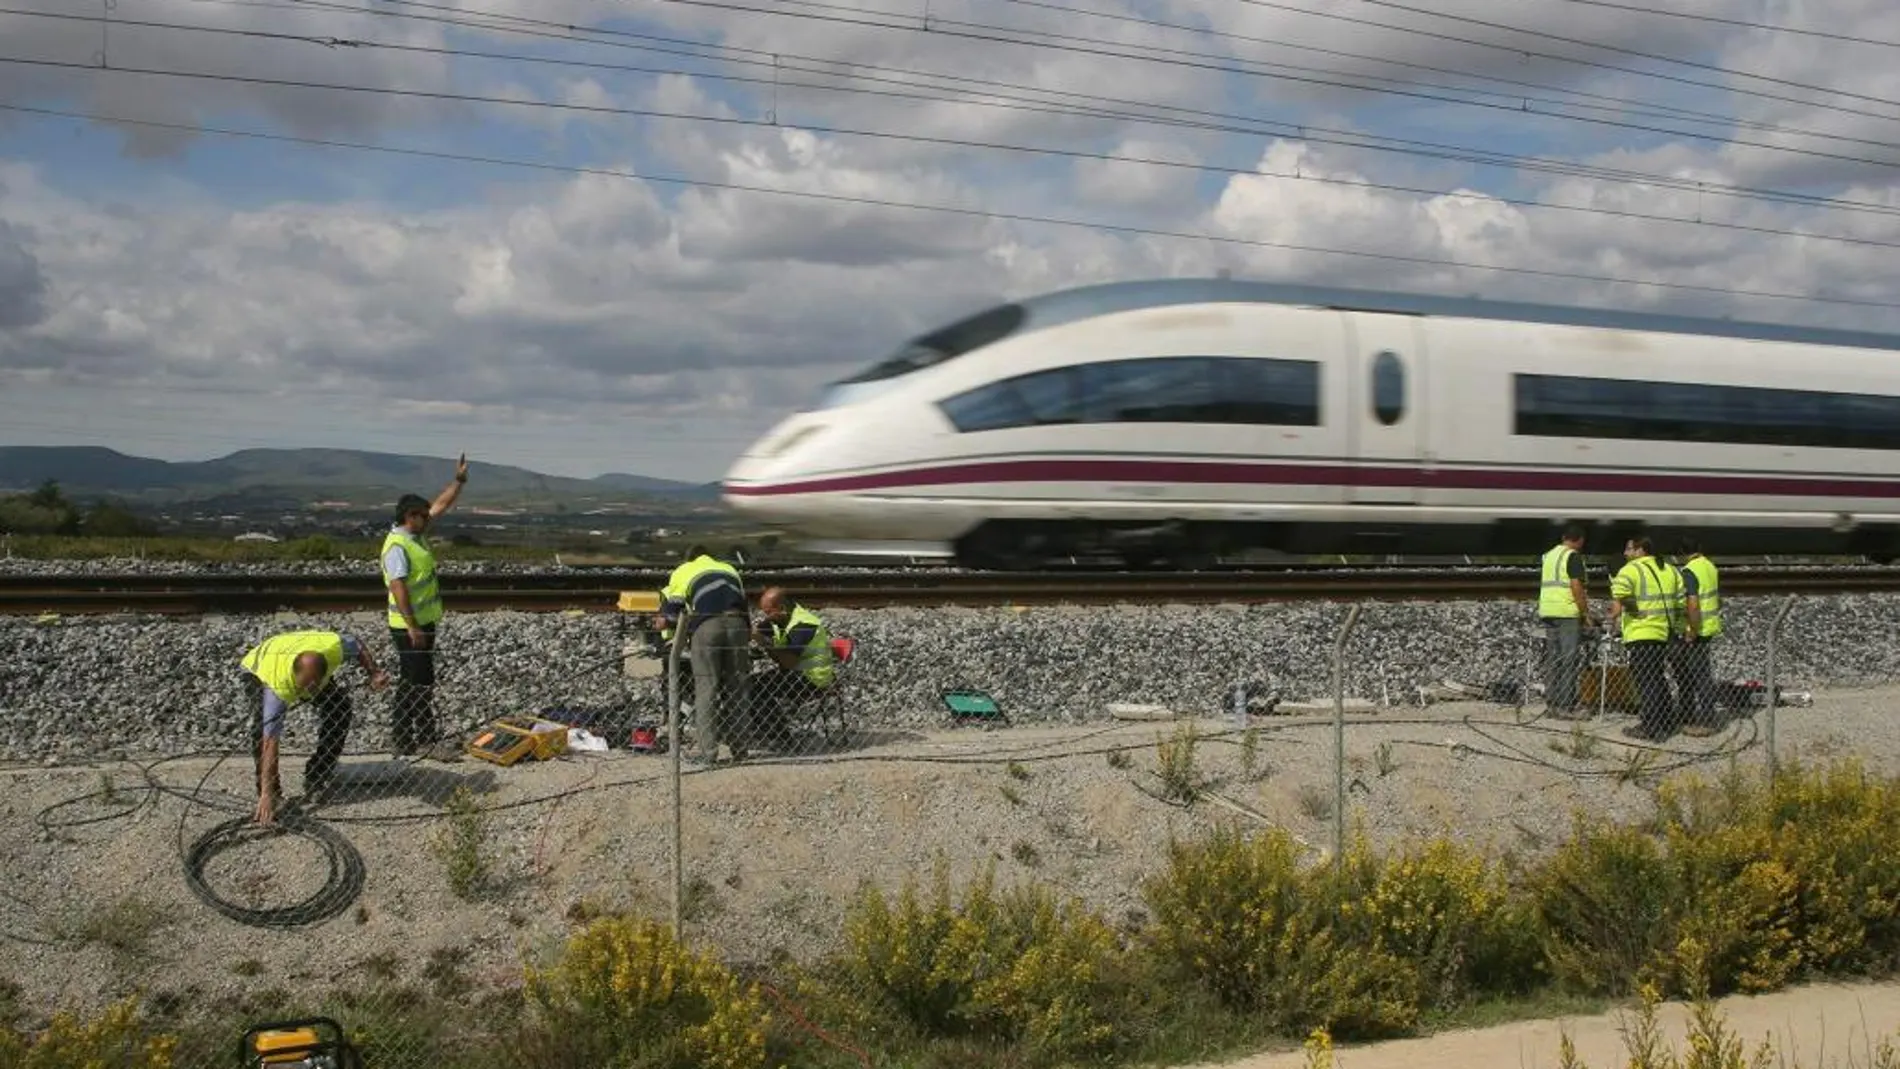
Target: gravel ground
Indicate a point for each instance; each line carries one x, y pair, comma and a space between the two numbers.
106, 686
774, 849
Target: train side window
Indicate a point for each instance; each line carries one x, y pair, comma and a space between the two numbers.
1274, 392
1171, 389
1032, 400
1161, 390
1557, 406
1388, 387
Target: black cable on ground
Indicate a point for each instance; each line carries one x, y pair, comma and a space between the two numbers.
341, 886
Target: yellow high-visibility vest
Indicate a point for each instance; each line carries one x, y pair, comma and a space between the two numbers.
1659, 599
817, 659
1708, 594
425, 596
1553, 597
274, 661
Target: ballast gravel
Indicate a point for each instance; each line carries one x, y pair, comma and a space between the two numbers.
90, 685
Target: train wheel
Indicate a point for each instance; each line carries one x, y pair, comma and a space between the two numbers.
991, 548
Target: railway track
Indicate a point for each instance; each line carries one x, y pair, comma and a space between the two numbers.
188, 595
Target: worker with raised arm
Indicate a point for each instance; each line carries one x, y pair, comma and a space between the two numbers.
1564, 608
414, 611
281, 673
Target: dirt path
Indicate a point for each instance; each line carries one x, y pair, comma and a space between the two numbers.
1812, 1027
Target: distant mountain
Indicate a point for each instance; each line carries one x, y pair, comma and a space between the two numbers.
311, 475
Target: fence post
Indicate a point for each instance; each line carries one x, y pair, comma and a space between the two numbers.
1339, 736
676, 745
1774, 635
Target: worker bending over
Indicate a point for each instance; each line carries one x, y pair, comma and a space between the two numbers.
799, 645
287, 670
712, 595
1647, 600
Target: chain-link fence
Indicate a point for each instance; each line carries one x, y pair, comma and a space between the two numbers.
444, 869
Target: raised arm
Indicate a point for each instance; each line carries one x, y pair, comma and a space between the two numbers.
445, 500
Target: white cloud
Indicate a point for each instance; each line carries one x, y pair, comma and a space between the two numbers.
572, 314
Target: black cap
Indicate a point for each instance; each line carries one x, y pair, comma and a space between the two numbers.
410, 503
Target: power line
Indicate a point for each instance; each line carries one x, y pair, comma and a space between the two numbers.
1316, 134
943, 27
1743, 23
1730, 71
335, 42
947, 209
1621, 104
1520, 51
895, 136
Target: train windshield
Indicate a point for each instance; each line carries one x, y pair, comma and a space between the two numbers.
965, 335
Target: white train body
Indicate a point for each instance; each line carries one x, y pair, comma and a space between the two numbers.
1180, 418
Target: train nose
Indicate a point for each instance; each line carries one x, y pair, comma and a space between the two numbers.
770, 461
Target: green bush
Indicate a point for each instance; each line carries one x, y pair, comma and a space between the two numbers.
626, 994
115, 1038
1239, 916
1774, 882
1021, 966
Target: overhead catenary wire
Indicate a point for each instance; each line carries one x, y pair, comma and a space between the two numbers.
995, 146
1557, 57
1178, 116
1611, 103
1767, 27
1395, 5
955, 210
987, 32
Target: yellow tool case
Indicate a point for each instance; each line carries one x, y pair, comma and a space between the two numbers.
513, 738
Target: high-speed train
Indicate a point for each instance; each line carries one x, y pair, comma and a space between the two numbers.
1172, 421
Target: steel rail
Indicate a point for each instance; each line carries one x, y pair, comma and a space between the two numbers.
192, 595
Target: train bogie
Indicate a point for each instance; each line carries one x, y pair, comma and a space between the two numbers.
1171, 423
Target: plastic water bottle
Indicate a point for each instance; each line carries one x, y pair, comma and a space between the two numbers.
1240, 705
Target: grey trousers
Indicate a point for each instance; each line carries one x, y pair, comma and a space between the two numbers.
1695, 677
720, 650
1563, 662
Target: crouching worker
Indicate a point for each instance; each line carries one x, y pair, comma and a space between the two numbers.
799, 644
285, 671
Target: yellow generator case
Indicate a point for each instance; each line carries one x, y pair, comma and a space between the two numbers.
316, 1043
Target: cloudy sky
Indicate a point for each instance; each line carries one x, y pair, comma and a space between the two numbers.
628, 235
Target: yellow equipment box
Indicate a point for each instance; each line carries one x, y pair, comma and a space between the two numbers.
512, 738
314, 1043
286, 1047
638, 601
1618, 690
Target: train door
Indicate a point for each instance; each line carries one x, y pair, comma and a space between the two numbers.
1386, 371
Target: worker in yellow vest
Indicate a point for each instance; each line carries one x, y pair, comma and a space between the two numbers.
1702, 602
1564, 608
711, 596
1648, 603
414, 610
798, 644
283, 672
